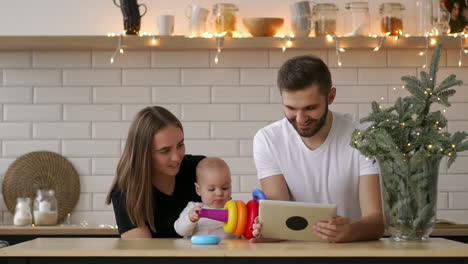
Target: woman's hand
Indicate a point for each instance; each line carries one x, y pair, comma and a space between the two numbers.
193, 214
337, 229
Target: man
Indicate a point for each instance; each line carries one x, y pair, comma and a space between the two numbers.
307, 156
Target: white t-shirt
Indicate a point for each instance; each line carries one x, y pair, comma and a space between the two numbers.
327, 175
204, 226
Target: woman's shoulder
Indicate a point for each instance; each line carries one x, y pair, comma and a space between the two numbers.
193, 158
191, 161
116, 193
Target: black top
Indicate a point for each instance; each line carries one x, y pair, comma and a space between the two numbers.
167, 208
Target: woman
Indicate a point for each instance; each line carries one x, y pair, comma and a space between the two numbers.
155, 179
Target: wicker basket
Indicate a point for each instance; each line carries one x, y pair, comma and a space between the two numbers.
42, 170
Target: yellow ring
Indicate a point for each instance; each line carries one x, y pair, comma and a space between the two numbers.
230, 226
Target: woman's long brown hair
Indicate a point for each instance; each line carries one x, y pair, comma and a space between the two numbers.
135, 170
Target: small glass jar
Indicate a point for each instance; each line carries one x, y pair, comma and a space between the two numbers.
45, 208
424, 17
22, 215
391, 19
325, 19
357, 19
225, 18
442, 20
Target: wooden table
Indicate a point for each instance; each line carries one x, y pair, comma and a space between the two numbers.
6, 230
115, 250
17, 234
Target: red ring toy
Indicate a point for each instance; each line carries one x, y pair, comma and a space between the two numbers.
252, 213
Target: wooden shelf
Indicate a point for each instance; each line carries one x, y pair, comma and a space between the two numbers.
183, 43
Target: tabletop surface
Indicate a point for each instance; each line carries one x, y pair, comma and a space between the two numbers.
109, 230
58, 230
116, 247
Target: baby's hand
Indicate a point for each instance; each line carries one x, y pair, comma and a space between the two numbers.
257, 233
193, 215
256, 228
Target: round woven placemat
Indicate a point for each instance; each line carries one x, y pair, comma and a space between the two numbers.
42, 170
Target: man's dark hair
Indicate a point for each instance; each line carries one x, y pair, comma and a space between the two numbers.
303, 71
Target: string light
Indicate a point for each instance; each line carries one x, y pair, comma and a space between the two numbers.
153, 40
118, 49
337, 51
219, 45
425, 51
287, 43
462, 49
381, 40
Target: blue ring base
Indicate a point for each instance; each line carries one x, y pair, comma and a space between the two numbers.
205, 240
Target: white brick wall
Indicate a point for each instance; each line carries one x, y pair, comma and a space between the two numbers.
77, 104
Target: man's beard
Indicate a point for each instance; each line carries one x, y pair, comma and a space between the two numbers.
314, 129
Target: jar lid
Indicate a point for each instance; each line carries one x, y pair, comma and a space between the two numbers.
391, 6
357, 5
325, 7
224, 6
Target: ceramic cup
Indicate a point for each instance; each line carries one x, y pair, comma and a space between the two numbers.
166, 25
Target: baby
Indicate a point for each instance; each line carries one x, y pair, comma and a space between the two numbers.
214, 187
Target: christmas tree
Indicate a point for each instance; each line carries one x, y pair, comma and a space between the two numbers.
408, 141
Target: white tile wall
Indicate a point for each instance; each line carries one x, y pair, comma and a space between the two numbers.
89, 77
77, 104
151, 77
15, 59
61, 95
21, 95
31, 77
134, 59
103, 95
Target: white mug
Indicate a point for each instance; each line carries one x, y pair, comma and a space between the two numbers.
197, 16
166, 25
301, 26
302, 8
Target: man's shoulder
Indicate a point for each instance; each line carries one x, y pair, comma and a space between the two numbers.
274, 129
346, 121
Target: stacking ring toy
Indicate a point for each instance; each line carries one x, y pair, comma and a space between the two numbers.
241, 218
237, 217
205, 240
258, 195
252, 212
230, 226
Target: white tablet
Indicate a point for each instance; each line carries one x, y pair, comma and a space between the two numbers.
292, 220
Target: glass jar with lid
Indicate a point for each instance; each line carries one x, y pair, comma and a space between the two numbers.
45, 208
22, 215
225, 18
391, 19
325, 19
357, 19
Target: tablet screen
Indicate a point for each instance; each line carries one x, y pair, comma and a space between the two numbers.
292, 220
